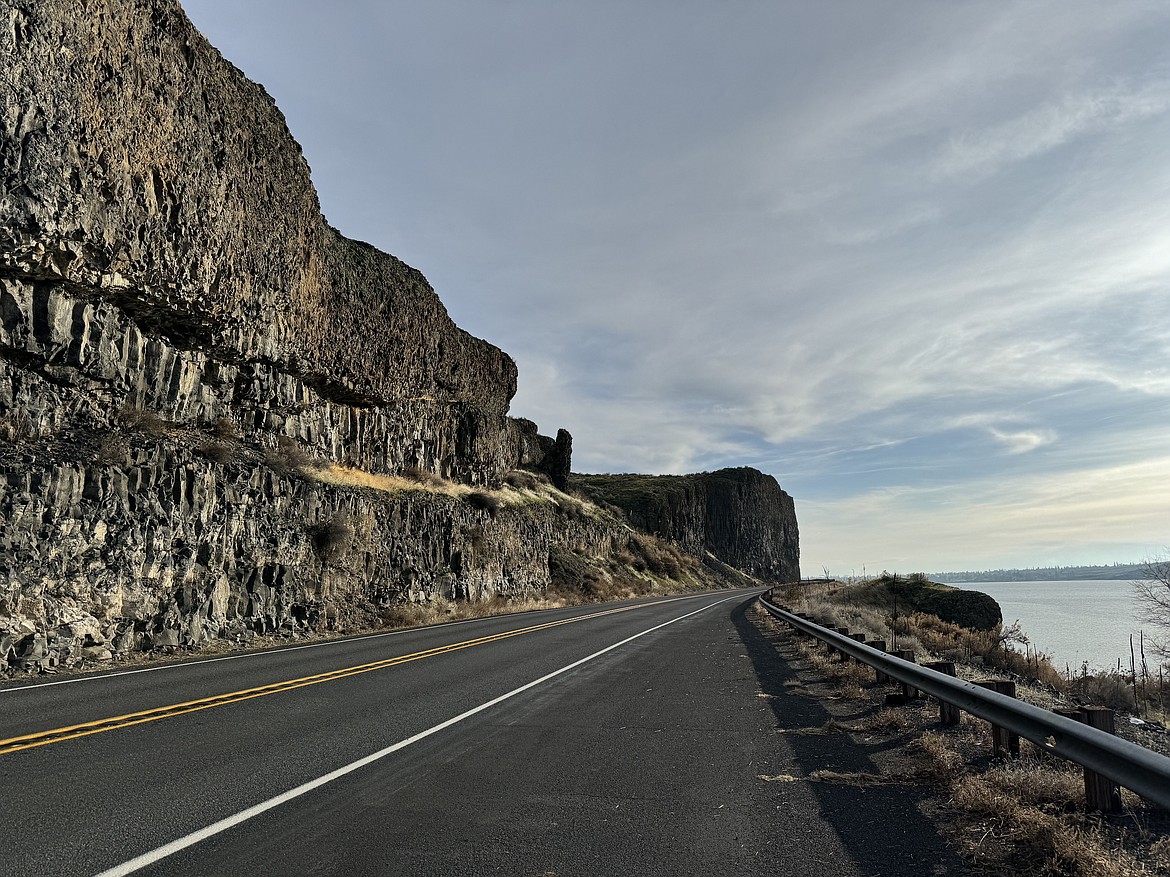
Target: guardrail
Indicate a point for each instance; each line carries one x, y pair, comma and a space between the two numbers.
1136, 768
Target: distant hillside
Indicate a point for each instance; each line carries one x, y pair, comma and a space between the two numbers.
1116, 571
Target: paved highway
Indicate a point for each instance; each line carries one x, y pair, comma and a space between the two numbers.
602, 740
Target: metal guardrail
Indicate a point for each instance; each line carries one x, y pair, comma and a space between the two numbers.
1136, 768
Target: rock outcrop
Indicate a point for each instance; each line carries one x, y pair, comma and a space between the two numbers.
218, 416
155, 198
741, 516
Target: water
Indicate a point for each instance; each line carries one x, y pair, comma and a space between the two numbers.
1073, 621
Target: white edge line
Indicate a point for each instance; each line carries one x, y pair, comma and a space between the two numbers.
155, 855
281, 649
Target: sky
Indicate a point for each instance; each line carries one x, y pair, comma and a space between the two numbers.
910, 258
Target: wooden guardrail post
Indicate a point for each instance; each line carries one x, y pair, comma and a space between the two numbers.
1101, 793
908, 691
803, 616
880, 644
858, 637
1002, 740
844, 631
948, 713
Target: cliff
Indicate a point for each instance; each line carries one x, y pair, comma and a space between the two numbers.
741, 516
219, 418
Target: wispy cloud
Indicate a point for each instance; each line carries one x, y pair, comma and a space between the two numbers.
1023, 441
1053, 124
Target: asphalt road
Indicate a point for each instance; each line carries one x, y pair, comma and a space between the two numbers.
574, 741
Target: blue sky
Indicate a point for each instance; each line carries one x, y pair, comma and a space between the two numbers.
913, 259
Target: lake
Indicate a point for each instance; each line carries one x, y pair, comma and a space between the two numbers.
1073, 621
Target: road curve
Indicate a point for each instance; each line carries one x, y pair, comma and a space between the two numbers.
615, 739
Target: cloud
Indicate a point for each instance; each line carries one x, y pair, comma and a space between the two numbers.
1023, 441
1051, 125
1112, 513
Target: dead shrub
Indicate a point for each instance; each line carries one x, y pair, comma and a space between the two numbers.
331, 538
226, 428
113, 449
520, 480
421, 476
14, 425
569, 509
144, 421
1110, 689
289, 457
484, 501
216, 452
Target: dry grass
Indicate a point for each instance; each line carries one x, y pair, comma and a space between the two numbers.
1006, 834
886, 721
929, 637
345, 476
848, 676
853, 778
943, 759
439, 610
531, 490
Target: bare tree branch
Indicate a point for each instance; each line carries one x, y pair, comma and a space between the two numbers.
1153, 598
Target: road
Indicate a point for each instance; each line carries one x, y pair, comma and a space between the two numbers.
605, 740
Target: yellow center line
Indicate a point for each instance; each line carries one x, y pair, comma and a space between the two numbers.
99, 726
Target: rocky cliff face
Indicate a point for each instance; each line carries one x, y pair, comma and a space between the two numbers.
153, 173
739, 515
186, 347
218, 416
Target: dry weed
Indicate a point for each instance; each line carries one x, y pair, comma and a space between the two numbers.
853, 778
1019, 818
943, 760
885, 721
1055, 783
1005, 836
440, 610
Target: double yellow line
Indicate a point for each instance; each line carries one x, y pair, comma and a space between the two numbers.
99, 726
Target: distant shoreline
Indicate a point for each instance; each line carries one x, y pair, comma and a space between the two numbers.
1114, 572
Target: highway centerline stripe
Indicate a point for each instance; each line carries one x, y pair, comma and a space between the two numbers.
261, 653
99, 726
155, 855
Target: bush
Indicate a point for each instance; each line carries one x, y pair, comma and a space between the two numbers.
216, 452
14, 425
289, 457
226, 428
421, 476
143, 421
331, 538
484, 501
520, 480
